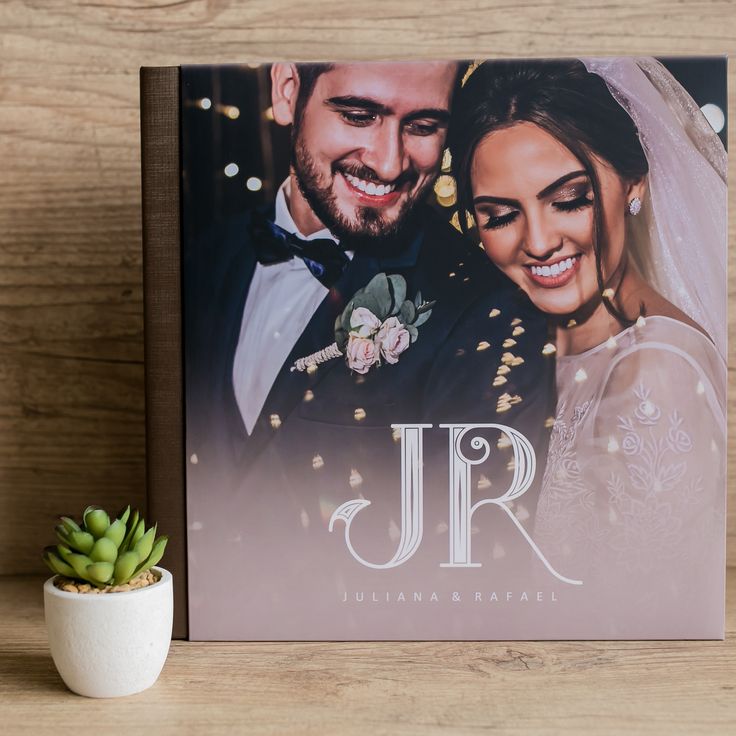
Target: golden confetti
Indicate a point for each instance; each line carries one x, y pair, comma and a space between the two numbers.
452, 274
503, 442
700, 388
521, 513
356, 478
502, 408
518, 331
499, 380
275, 421
504, 397
359, 378
459, 352
607, 293
508, 358
515, 400
268, 114
446, 161
494, 313
231, 112
359, 414
581, 376
318, 462
515, 321
311, 369
444, 187
471, 68
511, 465
641, 322
483, 345
441, 528
549, 349
549, 422
503, 370
466, 279
483, 483
611, 343
194, 459
572, 323
517, 361
509, 342
612, 444
308, 395
396, 434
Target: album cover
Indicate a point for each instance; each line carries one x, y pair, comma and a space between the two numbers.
437, 350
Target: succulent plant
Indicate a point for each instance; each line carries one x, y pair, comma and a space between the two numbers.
102, 552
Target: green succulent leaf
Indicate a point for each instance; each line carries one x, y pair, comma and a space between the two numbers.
56, 564
100, 573
116, 532
137, 533
156, 554
125, 567
70, 525
123, 515
96, 522
63, 551
105, 550
81, 542
133, 523
80, 563
145, 544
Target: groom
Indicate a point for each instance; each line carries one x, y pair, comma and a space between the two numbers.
265, 289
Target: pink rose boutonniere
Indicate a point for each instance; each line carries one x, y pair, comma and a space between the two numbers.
378, 324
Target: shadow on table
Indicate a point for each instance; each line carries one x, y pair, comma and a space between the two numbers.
21, 671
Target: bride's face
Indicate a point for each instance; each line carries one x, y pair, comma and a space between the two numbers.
534, 209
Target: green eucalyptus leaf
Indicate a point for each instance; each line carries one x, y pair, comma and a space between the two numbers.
413, 332
418, 300
422, 318
105, 550
116, 532
81, 542
96, 522
100, 573
345, 316
125, 567
379, 291
397, 286
145, 544
408, 312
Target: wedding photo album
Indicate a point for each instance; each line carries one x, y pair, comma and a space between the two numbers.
437, 350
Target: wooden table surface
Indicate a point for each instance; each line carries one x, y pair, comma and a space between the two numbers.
379, 688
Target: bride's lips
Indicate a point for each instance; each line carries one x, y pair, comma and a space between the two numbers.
554, 274
365, 198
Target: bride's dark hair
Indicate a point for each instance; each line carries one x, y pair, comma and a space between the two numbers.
563, 99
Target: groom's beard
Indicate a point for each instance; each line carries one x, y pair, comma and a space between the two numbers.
369, 230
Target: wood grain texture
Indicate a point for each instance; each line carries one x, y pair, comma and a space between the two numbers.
535, 688
71, 342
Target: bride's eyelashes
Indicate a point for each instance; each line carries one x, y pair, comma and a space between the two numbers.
494, 222
577, 201
571, 205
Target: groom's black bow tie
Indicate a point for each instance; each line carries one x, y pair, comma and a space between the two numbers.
322, 256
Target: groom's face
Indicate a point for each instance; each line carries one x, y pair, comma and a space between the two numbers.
368, 142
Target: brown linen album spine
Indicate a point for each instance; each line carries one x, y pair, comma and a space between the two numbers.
160, 171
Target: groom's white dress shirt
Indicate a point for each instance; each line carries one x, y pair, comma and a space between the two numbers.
281, 301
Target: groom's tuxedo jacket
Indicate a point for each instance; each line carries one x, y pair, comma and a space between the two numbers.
325, 437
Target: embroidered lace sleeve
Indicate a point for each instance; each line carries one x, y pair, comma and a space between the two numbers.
652, 453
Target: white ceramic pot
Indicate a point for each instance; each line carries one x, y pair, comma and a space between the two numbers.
111, 644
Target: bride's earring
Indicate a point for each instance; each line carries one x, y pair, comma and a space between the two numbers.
635, 206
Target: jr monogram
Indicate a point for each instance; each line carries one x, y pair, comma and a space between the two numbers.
462, 507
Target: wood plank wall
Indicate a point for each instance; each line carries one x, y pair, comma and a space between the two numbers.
71, 327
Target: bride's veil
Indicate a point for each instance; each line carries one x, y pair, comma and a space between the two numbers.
679, 242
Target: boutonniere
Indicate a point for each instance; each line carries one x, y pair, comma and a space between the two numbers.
378, 323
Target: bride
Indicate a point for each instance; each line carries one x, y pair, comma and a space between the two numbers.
598, 187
